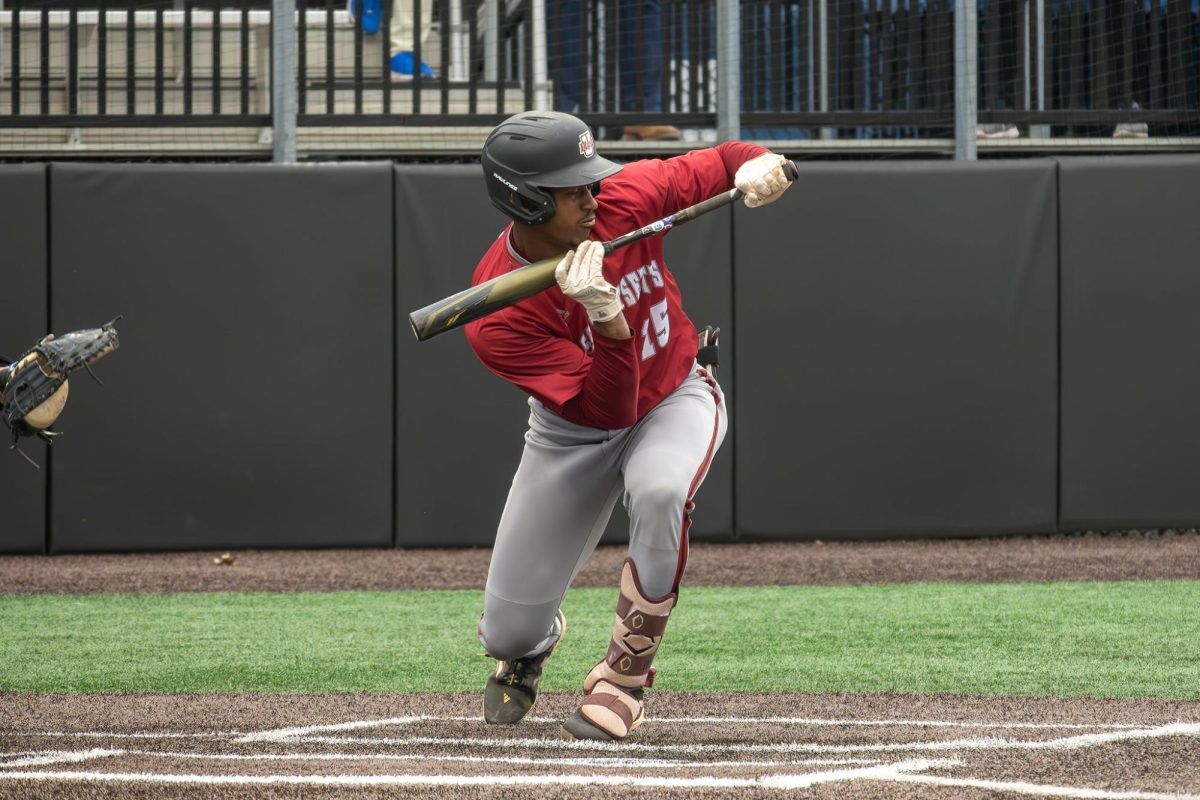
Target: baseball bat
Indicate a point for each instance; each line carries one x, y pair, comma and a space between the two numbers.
504, 290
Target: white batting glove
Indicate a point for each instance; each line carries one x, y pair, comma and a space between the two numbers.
761, 179
580, 275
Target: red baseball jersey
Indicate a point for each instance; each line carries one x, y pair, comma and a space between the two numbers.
544, 344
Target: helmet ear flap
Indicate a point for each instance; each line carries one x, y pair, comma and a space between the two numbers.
541, 206
519, 200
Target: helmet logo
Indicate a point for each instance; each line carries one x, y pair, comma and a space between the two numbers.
587, 147
509, 184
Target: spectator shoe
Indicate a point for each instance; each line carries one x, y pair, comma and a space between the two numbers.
402, 67
651, 133
371, 16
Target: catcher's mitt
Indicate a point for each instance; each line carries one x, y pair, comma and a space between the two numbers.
33, 389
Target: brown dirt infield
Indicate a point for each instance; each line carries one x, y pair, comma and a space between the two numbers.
825, 746
128, 747
1165, 555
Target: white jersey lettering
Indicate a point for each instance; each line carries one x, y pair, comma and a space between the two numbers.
640, 281
641, 273
655, 274
628, 296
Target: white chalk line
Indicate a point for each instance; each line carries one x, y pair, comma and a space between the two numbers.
842, 723
1068, 743
278, 734
769, 781
59, 757
1019, 787
875, 772
651, 763
1093, 739
118, 735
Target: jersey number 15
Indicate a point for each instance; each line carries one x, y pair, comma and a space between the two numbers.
661, 322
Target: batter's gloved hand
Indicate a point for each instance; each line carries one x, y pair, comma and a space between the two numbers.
762, 180
580, 275
33, 389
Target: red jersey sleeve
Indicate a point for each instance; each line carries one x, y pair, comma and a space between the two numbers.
598, 390
666, 186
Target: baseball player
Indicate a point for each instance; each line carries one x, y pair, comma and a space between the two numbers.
620, 409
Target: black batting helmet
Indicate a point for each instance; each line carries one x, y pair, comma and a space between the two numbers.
534, 151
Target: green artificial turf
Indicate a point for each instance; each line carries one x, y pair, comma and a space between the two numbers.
1135, 639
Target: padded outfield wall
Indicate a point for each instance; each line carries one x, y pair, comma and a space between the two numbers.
909, 349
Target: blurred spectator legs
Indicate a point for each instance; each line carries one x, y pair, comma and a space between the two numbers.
369, 14
640, 57
566, 54
402, 38
641, 66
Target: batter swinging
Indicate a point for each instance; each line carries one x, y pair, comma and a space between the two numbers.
619, 406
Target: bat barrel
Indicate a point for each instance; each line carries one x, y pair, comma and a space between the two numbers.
479, 301
439, 317
417, 325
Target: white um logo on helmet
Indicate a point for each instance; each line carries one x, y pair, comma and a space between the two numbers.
587, 147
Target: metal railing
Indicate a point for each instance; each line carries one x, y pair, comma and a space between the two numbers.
469, 88
831, 70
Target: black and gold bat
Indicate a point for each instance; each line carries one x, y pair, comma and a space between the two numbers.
502, 291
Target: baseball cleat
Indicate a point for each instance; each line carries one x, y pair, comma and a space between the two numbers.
586, 722
512, 689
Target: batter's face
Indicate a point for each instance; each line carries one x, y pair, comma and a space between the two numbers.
574, 216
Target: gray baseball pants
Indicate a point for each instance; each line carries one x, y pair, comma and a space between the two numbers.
564, 491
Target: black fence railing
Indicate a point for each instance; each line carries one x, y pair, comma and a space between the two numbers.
71, 66
893, 65
478, 80
889, 69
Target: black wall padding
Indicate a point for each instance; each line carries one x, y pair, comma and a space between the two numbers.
1130, 232
896, 352
459, 428
22, 322
250, 404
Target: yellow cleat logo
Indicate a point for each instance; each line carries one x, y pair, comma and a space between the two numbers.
506, 697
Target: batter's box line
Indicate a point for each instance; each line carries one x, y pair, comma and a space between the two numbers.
1035, 789
798, 781
50, 757
1067, 743
121, 735
279, 734
905, 771
47, 757
874, 723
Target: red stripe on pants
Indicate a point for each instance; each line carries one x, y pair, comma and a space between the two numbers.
688, 505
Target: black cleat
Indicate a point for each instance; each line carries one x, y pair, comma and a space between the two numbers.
512, 689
